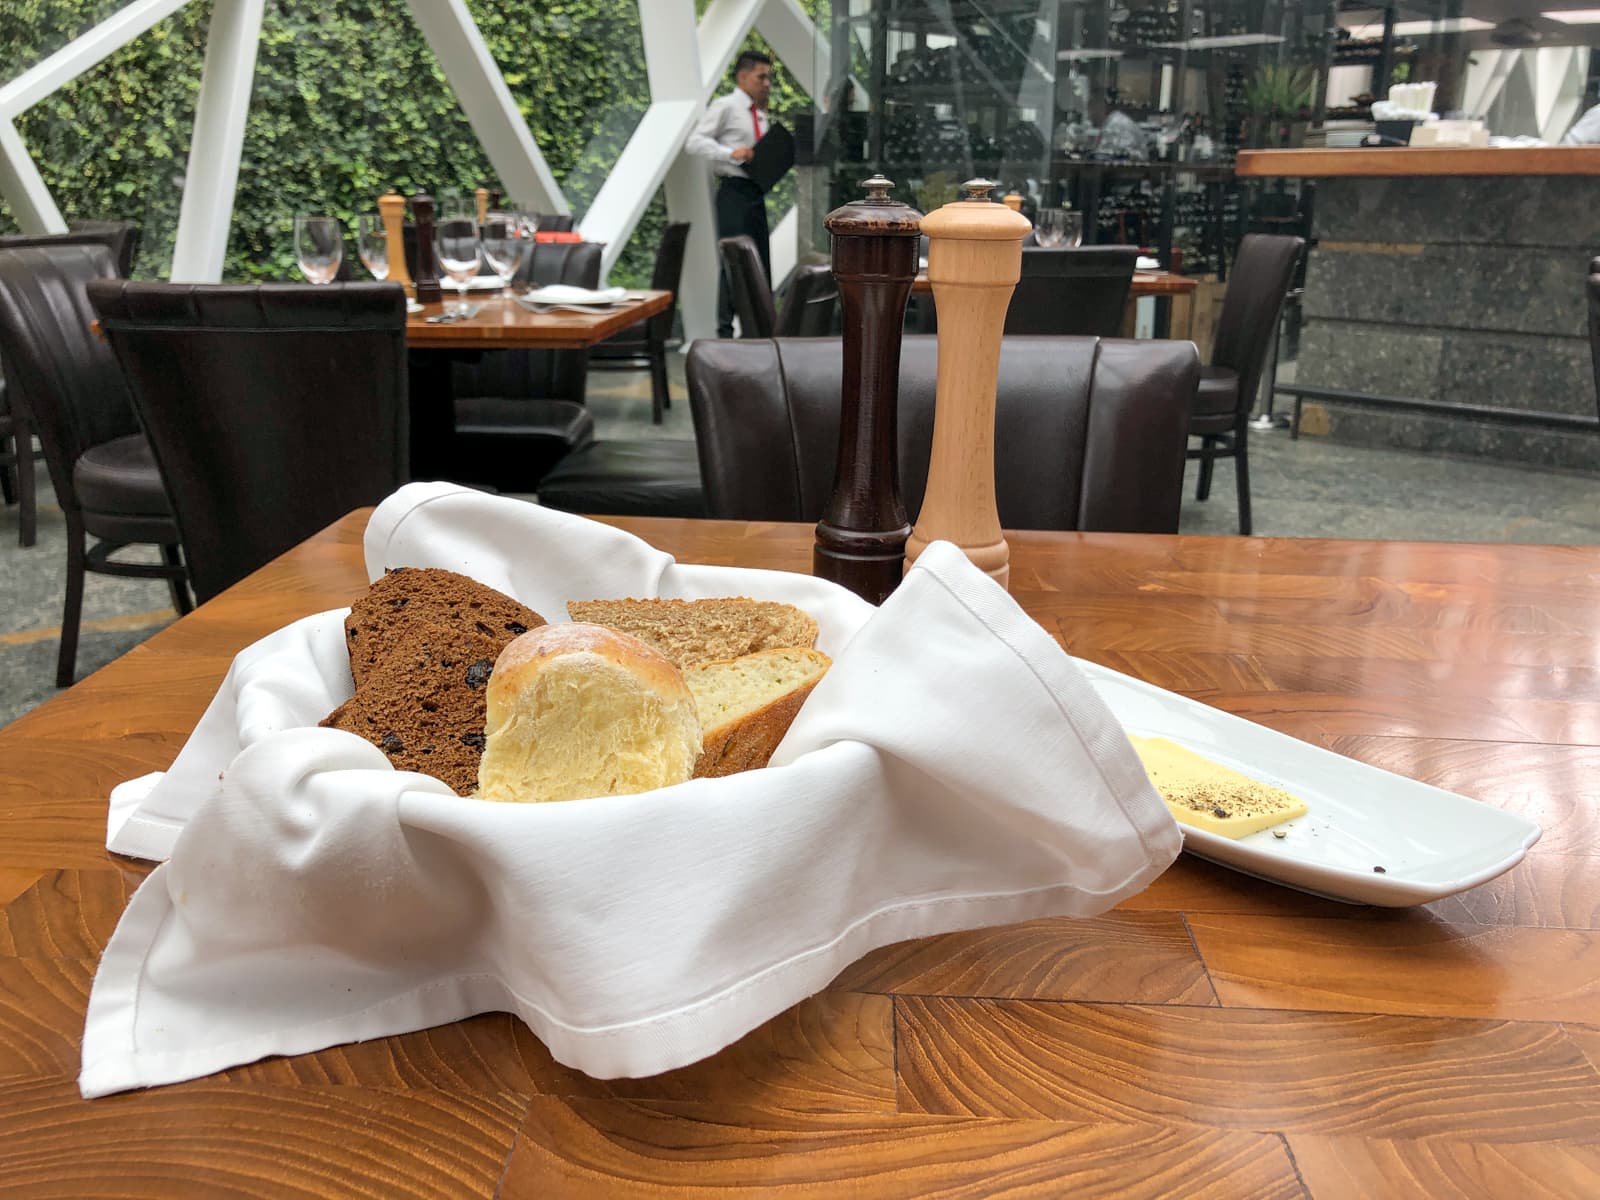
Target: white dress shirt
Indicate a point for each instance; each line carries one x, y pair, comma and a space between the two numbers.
725, 127
1586, 132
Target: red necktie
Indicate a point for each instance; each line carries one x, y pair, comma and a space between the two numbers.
755, 122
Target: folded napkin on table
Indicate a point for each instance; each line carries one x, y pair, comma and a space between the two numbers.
952, 770
1145, 263
566, 293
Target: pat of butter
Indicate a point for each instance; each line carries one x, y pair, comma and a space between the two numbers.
1213, 797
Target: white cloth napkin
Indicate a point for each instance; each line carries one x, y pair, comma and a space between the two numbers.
566, 293
954, 769
1146, 263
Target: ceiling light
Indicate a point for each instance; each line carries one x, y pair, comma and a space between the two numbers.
1575, 16
1425, 28
1218, 43
1086, 55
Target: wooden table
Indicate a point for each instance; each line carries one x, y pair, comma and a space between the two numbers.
503, 324
500, 324
1214, 1036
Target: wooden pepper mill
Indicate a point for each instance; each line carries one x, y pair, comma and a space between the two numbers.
974, 261
862, 535
428, 289
482, 198
392, 208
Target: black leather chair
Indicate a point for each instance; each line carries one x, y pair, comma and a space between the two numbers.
644, 343
1080, 290
809, 303
1245, 332
16, 430
100, 465
519, 412
272, 409
1089, 433
120, 237
554, 223
16, 468
1594, 326
647, 477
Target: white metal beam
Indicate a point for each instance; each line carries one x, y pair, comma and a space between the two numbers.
688, 187
793, 37
78, 55
488, 103
220, 113
24, 188
722, 31
632, 181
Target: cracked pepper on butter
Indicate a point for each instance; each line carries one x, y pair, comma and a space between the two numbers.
1210, 796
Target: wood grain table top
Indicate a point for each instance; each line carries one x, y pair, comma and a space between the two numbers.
1390, 161
1214, 1036
503, 324
1145, 283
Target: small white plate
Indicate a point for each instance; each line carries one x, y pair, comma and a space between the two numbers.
1430, 843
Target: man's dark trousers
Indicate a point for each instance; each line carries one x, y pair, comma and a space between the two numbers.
740, 209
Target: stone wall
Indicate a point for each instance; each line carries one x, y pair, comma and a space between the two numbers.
1462, 290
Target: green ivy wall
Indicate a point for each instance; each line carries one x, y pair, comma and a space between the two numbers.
348, 103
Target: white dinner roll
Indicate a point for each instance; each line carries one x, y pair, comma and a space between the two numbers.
580, 710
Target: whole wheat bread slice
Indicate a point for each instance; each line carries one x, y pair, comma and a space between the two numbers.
692, 632
748, 703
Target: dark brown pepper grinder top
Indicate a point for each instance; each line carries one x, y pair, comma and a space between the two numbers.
862, 535
427, 281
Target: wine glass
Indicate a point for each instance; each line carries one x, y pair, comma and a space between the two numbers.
456, 239
1058, 227
318, 247
372, 243
507, 240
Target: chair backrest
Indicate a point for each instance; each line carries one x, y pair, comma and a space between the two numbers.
752, 291
1594, 326
1080, 290
543, 374
809, 303
1262, 271
1089, 433
120, 237
271, 409
554, 223
61, 376
576, 263
668, 276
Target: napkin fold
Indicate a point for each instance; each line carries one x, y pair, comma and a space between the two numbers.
567, 293
952, 770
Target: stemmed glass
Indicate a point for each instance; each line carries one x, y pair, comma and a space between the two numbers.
507, 240
372, 243
456, 239
1058, 227
318, 247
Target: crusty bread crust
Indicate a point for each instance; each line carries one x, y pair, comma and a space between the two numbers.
692, 632
745, 741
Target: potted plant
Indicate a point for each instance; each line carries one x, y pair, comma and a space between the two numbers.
1279, 98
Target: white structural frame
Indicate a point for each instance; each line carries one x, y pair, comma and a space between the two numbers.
684, 59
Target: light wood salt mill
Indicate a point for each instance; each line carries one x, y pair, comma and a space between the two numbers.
974, 262
392, 208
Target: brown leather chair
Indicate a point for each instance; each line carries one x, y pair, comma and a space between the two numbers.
16, 431
519, 412
1245, 333
1089, 433
100, 465
644, 343
272, 409
1594, 326
809, 303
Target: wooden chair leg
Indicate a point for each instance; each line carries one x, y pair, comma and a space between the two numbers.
1241, 467
72, 608
1203, 488
181, 599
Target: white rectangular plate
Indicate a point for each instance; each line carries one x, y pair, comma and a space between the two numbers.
1430, 843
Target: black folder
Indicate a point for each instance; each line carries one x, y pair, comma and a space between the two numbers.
774, 155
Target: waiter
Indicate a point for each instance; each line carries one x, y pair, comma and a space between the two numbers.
726, 136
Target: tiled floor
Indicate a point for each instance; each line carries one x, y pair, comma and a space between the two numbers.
1308, 488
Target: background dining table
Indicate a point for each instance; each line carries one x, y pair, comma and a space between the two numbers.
1216, 1035
500, 323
